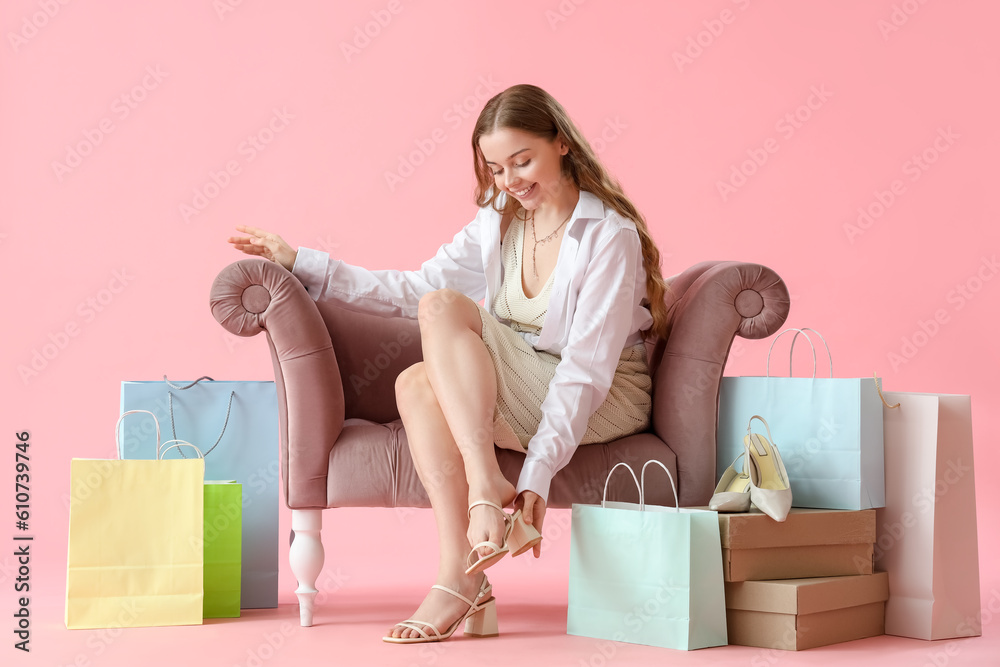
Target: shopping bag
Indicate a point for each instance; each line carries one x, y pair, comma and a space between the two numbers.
223, 537
829, 431
926, 534
236, 425
646, 574
134, 552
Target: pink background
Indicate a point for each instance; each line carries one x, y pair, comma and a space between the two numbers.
161, 96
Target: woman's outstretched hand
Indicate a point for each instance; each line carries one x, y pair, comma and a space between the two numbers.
264, 244
533, 509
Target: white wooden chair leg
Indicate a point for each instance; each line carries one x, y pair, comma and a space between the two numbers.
306, 559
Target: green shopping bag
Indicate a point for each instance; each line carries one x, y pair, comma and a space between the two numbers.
223, 539
646, 574
221, 542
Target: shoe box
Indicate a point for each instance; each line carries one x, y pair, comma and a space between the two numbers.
807, 581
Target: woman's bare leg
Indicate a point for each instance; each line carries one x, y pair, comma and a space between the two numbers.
440, 467
462, 375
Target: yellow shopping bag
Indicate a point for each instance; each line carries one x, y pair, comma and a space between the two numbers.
135, 554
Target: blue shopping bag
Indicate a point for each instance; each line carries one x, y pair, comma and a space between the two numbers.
829, 431
235, 424
646, 574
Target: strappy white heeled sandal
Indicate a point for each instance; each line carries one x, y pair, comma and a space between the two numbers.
518, 537
480, 620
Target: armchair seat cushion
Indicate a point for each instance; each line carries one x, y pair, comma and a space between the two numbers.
371, 467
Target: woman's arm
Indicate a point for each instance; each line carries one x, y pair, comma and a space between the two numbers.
458, 265
601, 324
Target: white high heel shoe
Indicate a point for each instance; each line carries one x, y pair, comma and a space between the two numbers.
732, 494
518, 537
770, 489
480, 620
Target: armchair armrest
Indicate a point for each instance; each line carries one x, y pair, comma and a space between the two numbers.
709, 305
254, 295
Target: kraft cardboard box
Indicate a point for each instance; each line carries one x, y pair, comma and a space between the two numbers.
808, 543
796, 614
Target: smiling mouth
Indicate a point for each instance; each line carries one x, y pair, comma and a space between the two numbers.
522, 193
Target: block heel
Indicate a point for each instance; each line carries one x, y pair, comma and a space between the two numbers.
483, 623
523, 536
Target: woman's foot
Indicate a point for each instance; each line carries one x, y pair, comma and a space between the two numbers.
441, 608
485, 522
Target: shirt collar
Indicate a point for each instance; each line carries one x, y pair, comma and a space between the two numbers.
589, 206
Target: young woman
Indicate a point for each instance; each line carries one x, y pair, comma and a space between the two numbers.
553, 360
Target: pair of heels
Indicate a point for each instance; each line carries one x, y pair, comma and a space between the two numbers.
762, 481
480, 619
518, 537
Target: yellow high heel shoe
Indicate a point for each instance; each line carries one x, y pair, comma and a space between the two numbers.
770, 489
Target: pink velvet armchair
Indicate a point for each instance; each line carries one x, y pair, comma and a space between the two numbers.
342, 443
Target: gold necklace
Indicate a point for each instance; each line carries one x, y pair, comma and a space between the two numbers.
534, 267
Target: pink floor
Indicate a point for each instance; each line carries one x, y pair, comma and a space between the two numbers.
363, 595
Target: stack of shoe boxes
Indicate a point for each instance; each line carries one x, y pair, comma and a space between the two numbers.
807, 581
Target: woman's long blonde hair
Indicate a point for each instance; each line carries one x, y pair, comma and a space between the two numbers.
531, 109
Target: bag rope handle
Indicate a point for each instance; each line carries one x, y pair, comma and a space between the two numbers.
170, 402
878, 385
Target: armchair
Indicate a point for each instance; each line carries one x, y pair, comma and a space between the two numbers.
342, 443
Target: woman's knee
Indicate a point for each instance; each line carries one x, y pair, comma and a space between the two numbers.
448, 306
412, 384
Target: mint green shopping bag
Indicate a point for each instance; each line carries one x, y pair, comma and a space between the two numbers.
646, 574
223, 540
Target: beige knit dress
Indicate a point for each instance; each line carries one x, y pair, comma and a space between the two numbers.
524, 373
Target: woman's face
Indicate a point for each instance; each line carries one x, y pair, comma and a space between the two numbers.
525, 166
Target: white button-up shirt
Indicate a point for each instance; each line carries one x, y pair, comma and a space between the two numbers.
595, 310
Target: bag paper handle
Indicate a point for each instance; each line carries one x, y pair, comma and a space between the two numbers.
640, 486
809, 340
180, 443
118, 442
642, 489
792, 349
604, 498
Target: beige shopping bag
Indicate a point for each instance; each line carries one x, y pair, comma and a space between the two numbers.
135, 542
926, 535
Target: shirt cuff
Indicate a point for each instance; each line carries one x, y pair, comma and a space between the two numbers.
310, 268
535, 476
